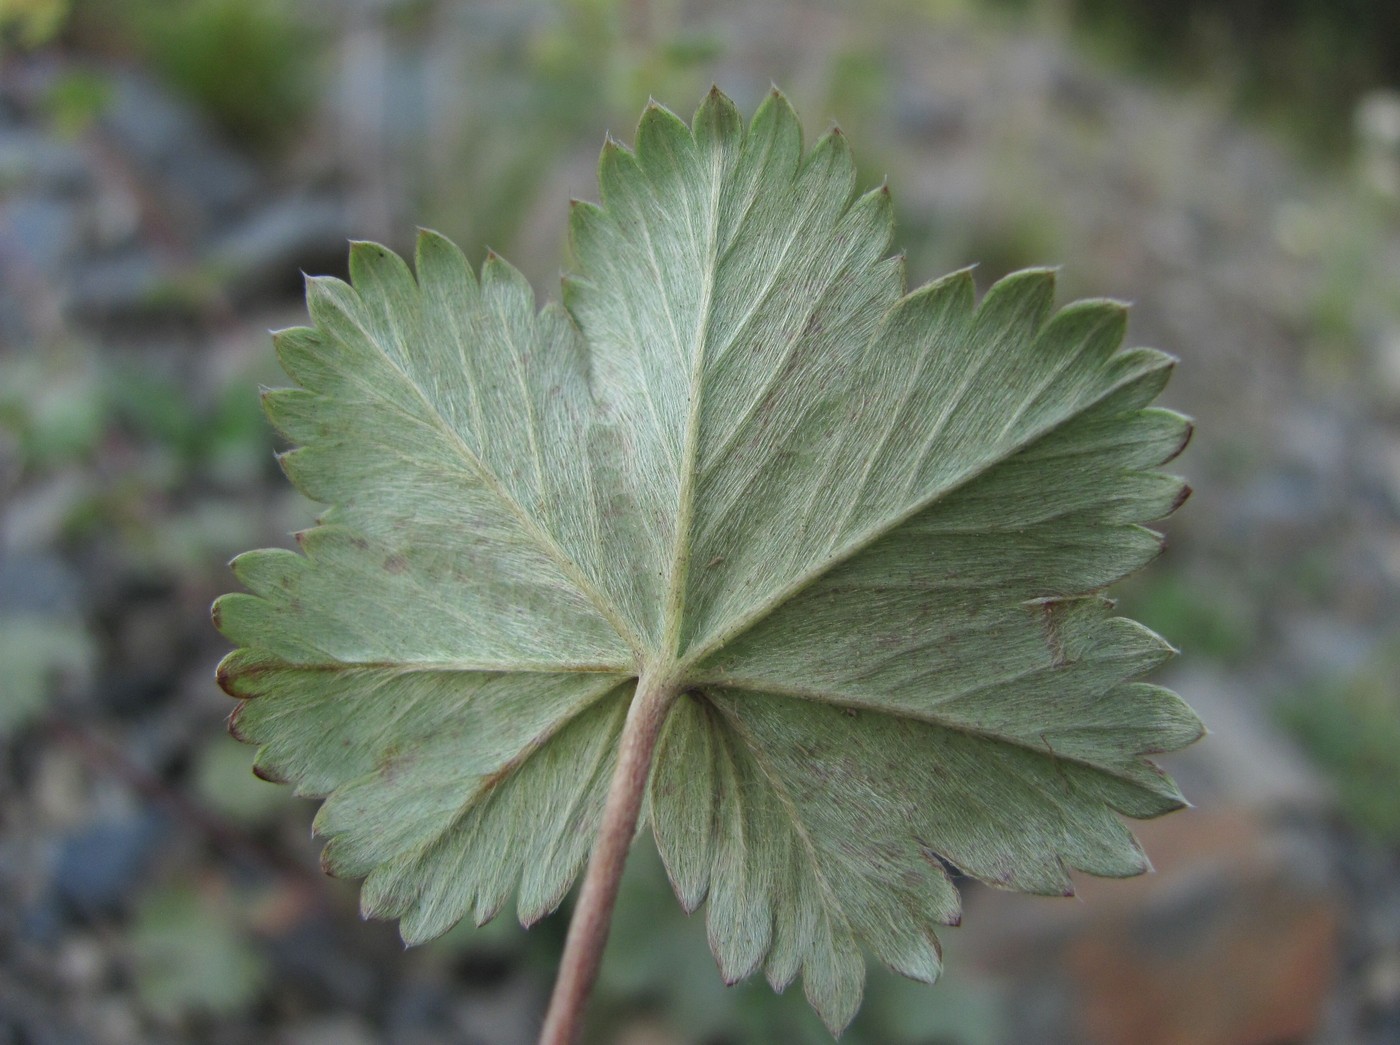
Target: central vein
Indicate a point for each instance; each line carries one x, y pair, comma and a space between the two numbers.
685, 510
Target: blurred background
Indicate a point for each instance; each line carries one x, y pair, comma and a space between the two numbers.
168, 169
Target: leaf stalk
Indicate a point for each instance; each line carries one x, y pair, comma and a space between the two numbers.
588, 931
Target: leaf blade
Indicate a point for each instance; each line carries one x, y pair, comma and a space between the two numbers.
863, 531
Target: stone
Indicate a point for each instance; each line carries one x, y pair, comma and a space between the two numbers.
169, 143
267, 252
98, 867
40, 233
1234, 939
30, 158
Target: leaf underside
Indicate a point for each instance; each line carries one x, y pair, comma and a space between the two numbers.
866, 529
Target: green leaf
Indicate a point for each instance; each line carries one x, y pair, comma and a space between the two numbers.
192, 956
36, 650
864, 532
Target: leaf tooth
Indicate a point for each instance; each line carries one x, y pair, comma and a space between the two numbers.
833, 979
242, 619
794, 922
233, 727
328, 299
831, 164
920, 958
300, 466
1016, 305
379, 274
740, 918
440, 263
440, 906
682, 799
717, 122
1085, 333
293, 412
505, 288
493, 888
776, 132
1140, 374
301, 352
390, 889
665, 145
268, 571
617, 169
871, 218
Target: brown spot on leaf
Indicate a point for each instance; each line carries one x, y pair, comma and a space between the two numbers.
1050, 624
225, 678
395, 564
269, 774
233, 729
1180, 498
1185, 439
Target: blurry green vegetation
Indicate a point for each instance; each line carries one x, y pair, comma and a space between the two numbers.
192, 955
249, 64
224, 781
126, 453
36, 649
553, 82
1300, 63
116, 454
1351, 727
1356, 294
76, 100
1201, 618
31, 23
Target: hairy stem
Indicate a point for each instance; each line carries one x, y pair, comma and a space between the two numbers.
588, 932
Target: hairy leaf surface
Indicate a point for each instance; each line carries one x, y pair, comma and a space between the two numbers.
864, 530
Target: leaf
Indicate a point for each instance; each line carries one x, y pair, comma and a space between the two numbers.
863, 533
37, 649
191, 955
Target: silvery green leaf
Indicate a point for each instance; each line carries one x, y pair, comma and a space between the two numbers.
867, 529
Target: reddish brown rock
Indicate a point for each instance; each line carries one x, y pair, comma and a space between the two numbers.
1233, 941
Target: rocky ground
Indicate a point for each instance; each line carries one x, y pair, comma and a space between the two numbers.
151, 890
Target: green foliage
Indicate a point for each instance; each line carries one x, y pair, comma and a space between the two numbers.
1351, 727
191, 956
860, 532
31, 23
224, 782
548, 84
242, 61
36, 649
1301, 62
76, 100
53, 405
1207, 619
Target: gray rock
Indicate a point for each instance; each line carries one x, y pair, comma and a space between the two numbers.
1246, 762
38, 583
99, 866
169, 142
268, 250
117, 287
31, 158
40, 233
